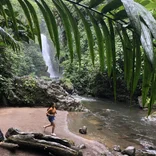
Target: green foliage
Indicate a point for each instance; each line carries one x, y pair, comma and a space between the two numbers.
67, 85
31, 61
135, 19
23, 91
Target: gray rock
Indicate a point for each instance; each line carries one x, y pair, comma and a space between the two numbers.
28, 91
117, 148
130, 150
83, 130
82, 146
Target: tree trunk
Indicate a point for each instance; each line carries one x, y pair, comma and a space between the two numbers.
46, 143
9, 146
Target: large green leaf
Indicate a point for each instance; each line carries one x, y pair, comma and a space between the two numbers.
35, 20
27, 14
126, 53
147, 43
148, 18
3, 13
120, 15
47, 19
67, 27
9, 5
128, 57
132, 13
145, 2
107, 38
151, 6
78, 1
146, 40
8, 39
88, 32
137, 61
94, 3
147, 76
114, 4
54, 27
112, 35
100, 40
153, 94
75, 29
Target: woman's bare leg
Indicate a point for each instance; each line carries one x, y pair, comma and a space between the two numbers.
53, 126
47, 126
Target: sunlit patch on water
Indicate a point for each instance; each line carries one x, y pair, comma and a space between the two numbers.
94, 122
80, 98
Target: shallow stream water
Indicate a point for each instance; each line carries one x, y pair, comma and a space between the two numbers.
114, 124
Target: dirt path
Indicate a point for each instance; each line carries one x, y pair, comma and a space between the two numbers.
33, 119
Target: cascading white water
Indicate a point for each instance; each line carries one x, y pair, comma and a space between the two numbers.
48, 56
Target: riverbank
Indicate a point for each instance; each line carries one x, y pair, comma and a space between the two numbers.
33, 119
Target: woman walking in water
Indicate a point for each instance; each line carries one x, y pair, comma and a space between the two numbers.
51, 111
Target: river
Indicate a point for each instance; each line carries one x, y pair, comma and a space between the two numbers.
114, 124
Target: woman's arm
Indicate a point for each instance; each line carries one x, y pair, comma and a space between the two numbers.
51, 112
48, 112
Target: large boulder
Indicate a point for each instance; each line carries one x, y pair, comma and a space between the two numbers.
30, 91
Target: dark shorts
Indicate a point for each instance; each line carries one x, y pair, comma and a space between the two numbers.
51, 118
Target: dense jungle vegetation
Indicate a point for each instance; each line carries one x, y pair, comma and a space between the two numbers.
106, 55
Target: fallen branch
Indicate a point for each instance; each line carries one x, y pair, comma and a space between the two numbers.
46, 143
9, 146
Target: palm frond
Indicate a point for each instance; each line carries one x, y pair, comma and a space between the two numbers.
100, 40
54, 27
94, 3
112, 35
146, 40
137, 51
74, 28
88, 32
67, 27
147, 77
27, 14
114, 4
8, 39
108, 44
3, 13
13, 17
35, 20
131, 16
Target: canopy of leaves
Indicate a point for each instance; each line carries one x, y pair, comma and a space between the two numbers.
133, 23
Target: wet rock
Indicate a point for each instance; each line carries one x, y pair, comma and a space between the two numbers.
150, 152
145, 152
83, 130
130, 150
148, 145
117, 148
82, 146
29, 91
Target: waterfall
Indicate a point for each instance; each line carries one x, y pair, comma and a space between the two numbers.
48, 53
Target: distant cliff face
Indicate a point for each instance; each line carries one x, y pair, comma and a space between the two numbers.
28, 91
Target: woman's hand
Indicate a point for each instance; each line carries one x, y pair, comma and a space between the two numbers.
49, 114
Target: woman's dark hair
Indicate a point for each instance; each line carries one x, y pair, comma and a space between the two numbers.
52, 104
